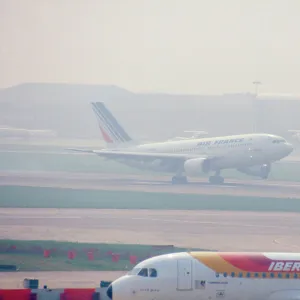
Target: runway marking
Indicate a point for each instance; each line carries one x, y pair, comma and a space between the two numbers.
277, 241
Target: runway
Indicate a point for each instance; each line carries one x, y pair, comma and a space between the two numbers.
147, 183
227, 231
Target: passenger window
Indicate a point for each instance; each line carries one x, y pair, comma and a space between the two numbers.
152, 273
217, 275
225, 274
279, 275
295, 275
240, 274
264, 275
256, 275
272, 275
143, 272
232, 274
287, 275
248, 274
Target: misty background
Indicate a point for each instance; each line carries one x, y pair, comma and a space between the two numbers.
161, 66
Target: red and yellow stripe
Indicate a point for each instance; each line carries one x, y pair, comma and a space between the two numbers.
227, 262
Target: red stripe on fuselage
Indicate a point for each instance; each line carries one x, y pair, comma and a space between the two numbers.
248, 262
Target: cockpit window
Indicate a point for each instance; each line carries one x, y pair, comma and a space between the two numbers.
152, 273
143, 272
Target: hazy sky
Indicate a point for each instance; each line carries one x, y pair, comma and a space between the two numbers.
179, 46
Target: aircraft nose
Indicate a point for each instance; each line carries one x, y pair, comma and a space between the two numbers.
109, 292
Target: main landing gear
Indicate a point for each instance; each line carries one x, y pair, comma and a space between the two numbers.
179, 180
216, 179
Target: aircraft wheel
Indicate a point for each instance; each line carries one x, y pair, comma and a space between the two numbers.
216, 179
265, 171
179, 180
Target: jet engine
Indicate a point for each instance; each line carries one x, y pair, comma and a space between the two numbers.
260, 171
196, 166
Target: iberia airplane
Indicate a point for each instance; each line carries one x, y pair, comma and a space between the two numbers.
192, 156
211, 276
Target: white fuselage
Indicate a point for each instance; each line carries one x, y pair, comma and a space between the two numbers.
232, 151
181, 276
188, 157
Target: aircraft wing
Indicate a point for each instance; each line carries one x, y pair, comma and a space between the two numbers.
81, 150
140, 155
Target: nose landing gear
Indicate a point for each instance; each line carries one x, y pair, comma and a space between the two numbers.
265, 171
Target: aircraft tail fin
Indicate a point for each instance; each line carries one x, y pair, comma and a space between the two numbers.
112, 132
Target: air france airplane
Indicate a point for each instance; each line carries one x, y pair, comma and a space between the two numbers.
251, 154
211, 276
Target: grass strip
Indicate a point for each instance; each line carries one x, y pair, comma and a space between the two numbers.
29, 255
44, 197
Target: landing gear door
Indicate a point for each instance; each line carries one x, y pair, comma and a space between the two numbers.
184, 275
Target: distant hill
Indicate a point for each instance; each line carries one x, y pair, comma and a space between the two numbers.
65, 109
61, 107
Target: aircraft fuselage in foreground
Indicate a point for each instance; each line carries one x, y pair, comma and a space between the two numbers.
211, 276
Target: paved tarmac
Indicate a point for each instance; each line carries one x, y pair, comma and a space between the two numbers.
148, 183
228, 231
